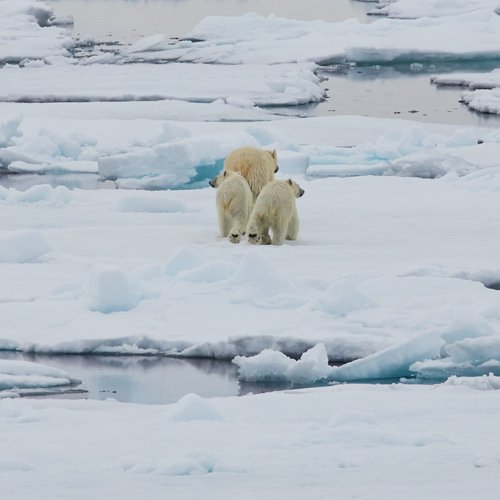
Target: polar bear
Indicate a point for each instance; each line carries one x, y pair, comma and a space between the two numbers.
234, 202
275, 209
256, 165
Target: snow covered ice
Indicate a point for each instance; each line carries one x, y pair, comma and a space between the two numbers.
394, 276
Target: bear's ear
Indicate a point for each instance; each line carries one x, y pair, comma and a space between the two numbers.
225, 173
273, 153
290, 182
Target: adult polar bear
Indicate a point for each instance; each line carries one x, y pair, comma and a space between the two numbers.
275, 210
256, 165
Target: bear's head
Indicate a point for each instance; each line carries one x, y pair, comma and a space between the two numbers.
223, 176
297, 190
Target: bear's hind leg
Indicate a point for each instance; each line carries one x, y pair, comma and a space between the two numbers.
239, 225
224, 225
236, 232
278, 235
293, 227
253, 233
265, 239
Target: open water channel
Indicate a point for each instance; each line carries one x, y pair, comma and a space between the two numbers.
141, 379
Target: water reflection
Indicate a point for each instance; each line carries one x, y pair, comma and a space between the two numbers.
394, 92
146, 379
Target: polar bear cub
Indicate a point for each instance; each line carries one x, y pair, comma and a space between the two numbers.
256, 165
275, 210
234, 202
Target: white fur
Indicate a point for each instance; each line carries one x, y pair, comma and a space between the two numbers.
256, 165
275, 210
234, 203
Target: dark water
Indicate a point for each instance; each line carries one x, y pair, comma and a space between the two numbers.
142, 379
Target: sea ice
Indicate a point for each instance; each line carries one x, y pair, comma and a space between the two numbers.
15, 375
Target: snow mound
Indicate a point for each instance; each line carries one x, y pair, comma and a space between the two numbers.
59, 195
110, 290
193, 463
22, 246
258, 282
209, 273
183, 259
342, 298
193, 407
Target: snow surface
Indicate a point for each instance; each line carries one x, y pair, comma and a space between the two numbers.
243, 85
360, 441
395, 271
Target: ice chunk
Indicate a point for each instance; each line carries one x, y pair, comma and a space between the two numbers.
485, 383
8, 131
145, 44
16, 374
274, 366
175, 163
474, 350
312, 366
267, 366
